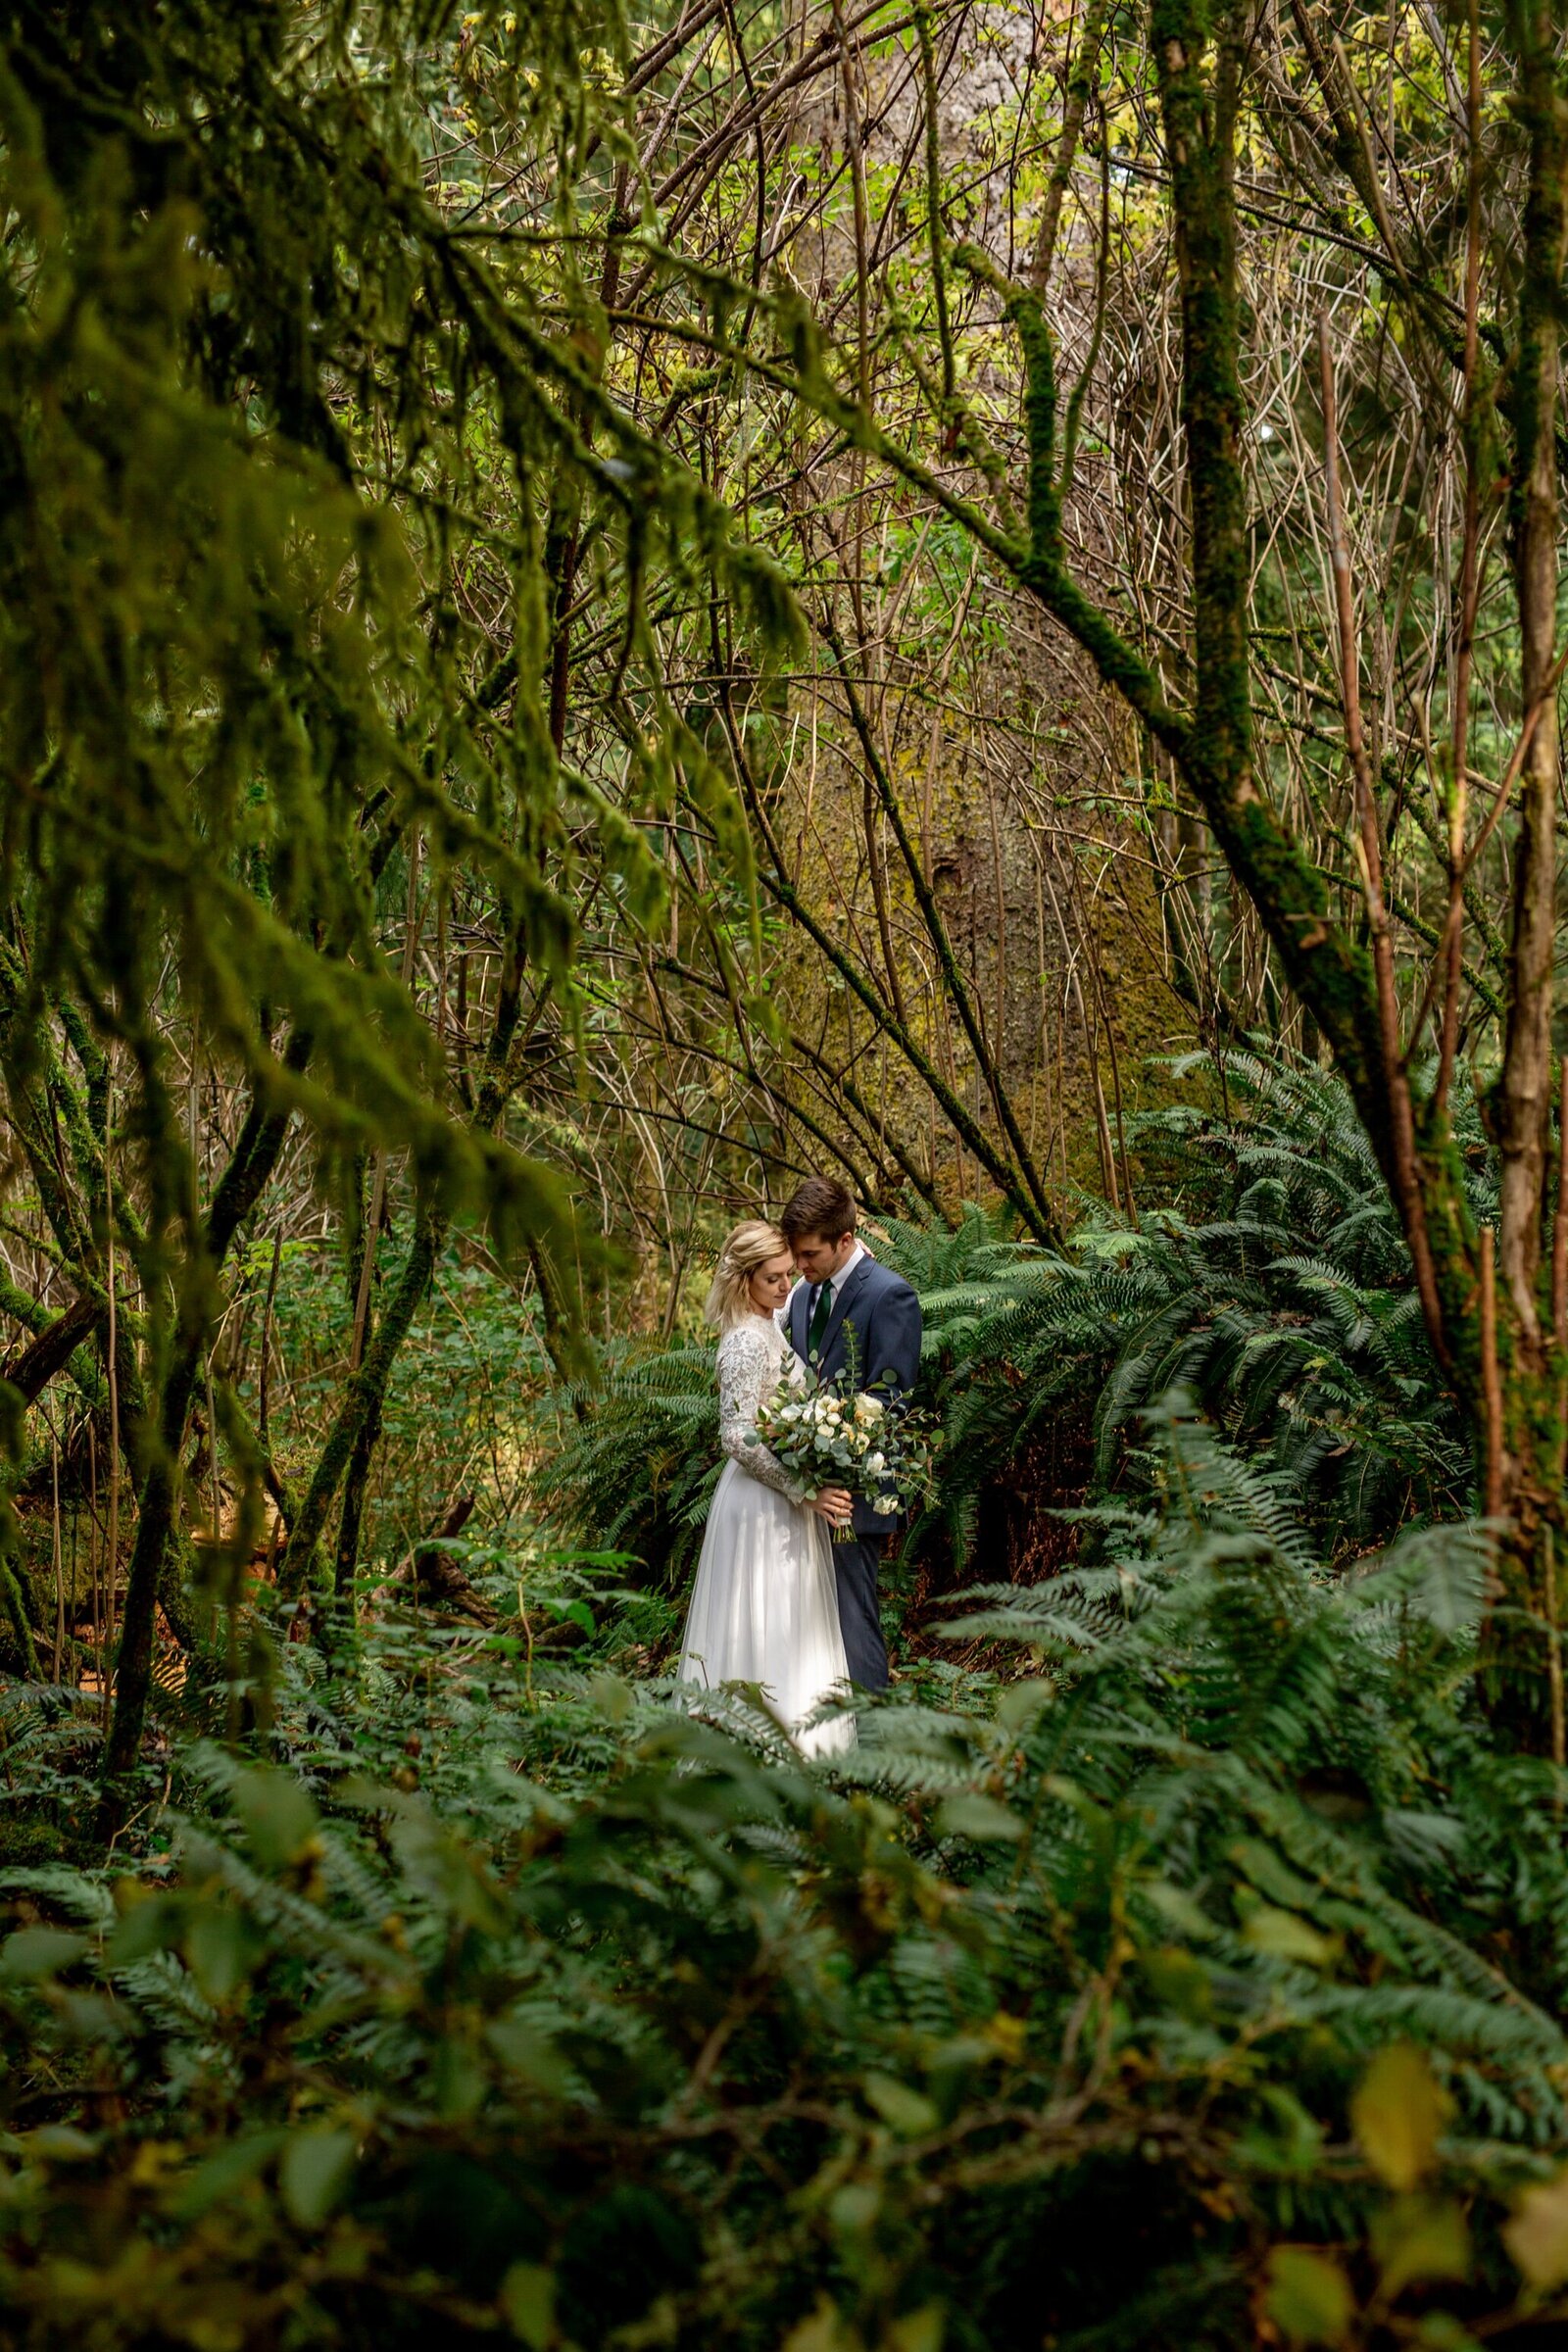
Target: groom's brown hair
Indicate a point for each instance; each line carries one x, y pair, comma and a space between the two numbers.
822, 1204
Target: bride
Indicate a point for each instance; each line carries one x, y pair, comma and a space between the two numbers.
765, 1606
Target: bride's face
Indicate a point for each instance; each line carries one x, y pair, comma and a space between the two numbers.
769, 1285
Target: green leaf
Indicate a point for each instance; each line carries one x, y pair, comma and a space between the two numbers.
910, 2112
524, 2050
314, 2171
572, 1613
151, 1924
917, 2331
278, 1816
1179, 1980
57, 2144
981, 1818
1019, 1703
1397, 2113
613, 1696
38, 1952
528, 2304
223, 1945
1183, 1910
1420, 2239
1440, 2332
1285, 1935
825, 2331
230, 2169
1310, 2296
854, 2207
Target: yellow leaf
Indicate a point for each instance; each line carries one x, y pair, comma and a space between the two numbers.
1310, 2296
1396, 2114
1008, 2036
826, 2330
1285, 1935
910, 2112
916, 2332
528, 2303
1420, 2239
1537, 2236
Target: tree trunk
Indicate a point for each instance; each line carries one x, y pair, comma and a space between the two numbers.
1530, 1442
1510, 1389
256, 1154
353, 1492
362, 1405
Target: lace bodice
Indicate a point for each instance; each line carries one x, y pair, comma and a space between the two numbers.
751, 1357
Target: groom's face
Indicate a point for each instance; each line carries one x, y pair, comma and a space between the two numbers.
820, 1256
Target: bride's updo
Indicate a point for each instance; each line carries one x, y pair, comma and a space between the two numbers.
750, 1244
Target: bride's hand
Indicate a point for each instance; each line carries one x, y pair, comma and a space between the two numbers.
834, 1504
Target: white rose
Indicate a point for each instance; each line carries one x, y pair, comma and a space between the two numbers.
875, 1462
887, 1504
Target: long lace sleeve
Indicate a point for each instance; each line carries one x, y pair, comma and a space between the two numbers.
745, 1369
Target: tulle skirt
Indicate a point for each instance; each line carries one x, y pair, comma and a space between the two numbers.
764, 1607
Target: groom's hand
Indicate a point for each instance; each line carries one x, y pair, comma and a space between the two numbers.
835, 1504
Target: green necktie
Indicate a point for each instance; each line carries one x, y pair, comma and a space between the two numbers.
823, 1309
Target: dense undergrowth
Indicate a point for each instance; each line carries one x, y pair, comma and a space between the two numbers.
1271, 1282
1214, 1974
1193, 1977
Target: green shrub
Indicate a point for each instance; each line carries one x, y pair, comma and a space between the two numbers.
1219, 1972
1274, 1285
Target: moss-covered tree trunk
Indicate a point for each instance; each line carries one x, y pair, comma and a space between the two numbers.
1509, 1382
1526, 1456
255, 1156
360, 1409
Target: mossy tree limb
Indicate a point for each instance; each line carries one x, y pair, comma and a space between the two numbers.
362, 1403
1200, 57
244, 1179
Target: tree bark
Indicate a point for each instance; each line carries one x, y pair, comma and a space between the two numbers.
355, 1488
255, 1156
1524, 1094
1517, 1677
362, 1403
1199, 60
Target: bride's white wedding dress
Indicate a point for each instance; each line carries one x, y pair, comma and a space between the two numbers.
765, 1606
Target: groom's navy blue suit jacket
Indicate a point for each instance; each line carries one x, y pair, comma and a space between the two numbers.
884, 1314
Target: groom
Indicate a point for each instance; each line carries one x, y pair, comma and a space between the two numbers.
844, 1290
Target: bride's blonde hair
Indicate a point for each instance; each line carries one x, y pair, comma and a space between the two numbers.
750, 1245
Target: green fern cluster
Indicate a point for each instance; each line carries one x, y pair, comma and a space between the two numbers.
1274, 1285
1226, 1961
636, 1470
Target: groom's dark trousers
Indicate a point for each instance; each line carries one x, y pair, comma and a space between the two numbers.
865, 1653
884, 1314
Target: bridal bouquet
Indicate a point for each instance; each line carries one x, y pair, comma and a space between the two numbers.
829, 1433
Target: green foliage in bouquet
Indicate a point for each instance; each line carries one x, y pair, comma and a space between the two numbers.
833, 1432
